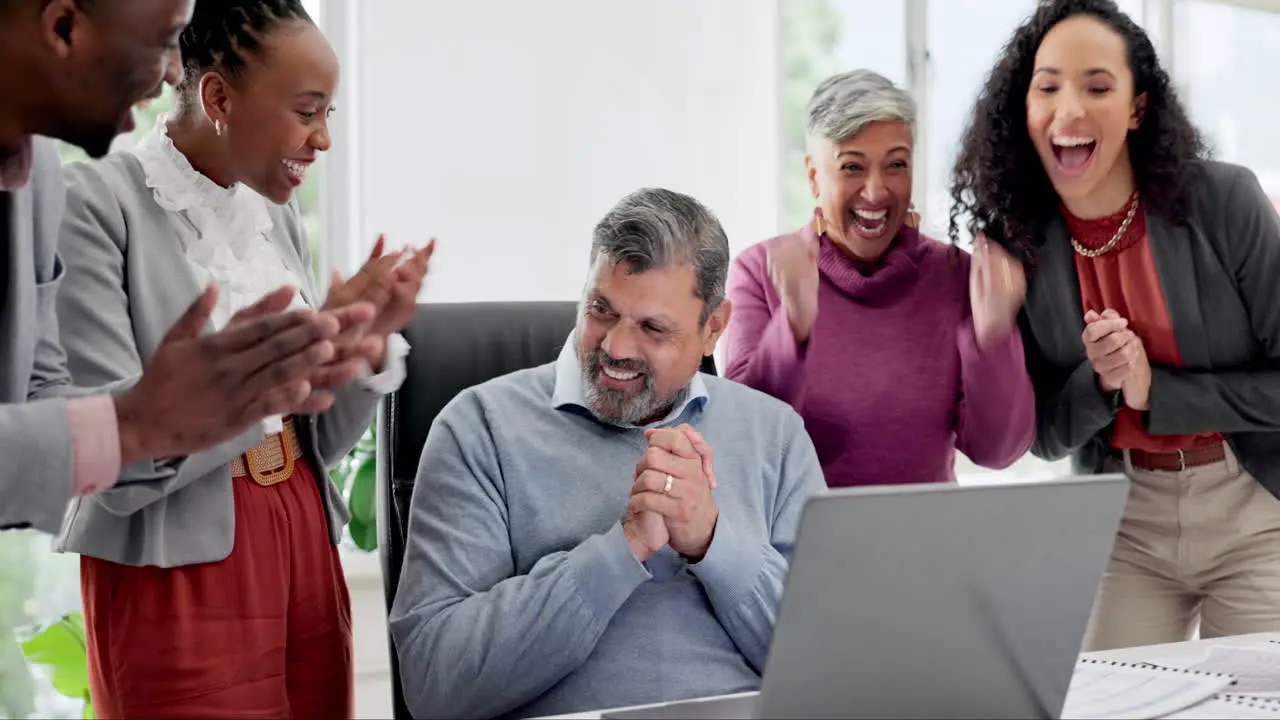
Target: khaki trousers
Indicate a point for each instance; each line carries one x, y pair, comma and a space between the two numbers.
1200, 545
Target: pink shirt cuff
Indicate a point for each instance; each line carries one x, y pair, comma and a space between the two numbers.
95, 444
15, 166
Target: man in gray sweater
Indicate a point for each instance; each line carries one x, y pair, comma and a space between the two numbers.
570, 545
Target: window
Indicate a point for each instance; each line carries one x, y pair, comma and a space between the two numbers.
1227, 53
36, 587
818, 38
963, 38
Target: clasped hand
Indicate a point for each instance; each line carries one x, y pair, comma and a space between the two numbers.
681, 513
1118, 357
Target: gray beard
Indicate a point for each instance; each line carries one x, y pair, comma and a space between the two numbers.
613, 407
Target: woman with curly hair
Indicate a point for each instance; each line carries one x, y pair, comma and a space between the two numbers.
1151, 324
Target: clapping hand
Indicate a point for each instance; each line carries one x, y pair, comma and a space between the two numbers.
793, 270
390, 283
198, 390
913, 217
997, 288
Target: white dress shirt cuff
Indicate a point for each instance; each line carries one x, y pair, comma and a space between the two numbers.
393, 367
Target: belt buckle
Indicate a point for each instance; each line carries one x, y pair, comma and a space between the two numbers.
264, 467
1182, 460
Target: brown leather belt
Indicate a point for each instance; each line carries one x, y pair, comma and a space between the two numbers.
1176, 461
272, 461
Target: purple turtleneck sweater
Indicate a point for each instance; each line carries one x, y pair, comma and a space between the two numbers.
891, 381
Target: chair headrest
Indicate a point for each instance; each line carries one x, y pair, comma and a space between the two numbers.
459, 345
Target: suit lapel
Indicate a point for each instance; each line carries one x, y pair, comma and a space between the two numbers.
167, 253
16, 208
1171, 250
1053, 297
284, 246
22, 242
22, 326
17, 235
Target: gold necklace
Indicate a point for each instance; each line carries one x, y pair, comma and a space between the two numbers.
1128, 218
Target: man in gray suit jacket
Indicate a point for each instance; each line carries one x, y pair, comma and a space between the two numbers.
74, 70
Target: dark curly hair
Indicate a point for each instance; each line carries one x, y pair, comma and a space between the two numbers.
223, 32
999, 185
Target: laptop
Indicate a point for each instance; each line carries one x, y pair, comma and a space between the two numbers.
932, 601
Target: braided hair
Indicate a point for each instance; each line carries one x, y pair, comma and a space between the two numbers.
223, 32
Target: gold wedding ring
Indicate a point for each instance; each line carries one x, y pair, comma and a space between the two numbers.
666, 489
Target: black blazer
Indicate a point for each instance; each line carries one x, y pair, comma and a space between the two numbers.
1219, 270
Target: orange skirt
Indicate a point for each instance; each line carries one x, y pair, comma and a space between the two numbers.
265, 633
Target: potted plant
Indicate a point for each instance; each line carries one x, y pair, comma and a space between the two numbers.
355, 476
60, 648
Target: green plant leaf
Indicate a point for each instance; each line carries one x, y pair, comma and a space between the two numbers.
364, 534
365, 448
363, 487
339, 474
364, 511
355, 477
60, 648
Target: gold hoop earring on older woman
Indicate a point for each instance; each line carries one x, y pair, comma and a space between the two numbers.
819, 222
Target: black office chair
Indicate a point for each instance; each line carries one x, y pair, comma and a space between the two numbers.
455, 346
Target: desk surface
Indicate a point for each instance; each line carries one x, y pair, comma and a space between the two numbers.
1170, 653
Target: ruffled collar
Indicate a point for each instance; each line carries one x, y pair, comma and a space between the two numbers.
232, 245
225, 219
894, 273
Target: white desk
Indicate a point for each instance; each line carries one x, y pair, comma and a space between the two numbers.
1171, 653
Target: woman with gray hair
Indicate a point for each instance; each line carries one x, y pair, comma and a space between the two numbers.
895, 348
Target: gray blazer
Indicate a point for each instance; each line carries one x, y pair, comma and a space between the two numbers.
1220, 271
127, 281
35, 440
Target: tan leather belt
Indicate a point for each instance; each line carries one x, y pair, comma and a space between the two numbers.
1176, 461
272, 461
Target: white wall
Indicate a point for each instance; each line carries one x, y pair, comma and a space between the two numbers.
507, 128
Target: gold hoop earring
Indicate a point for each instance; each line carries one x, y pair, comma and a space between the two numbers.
217, 127
819, 223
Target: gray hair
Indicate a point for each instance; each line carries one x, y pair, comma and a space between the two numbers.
844, 104
655, 228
